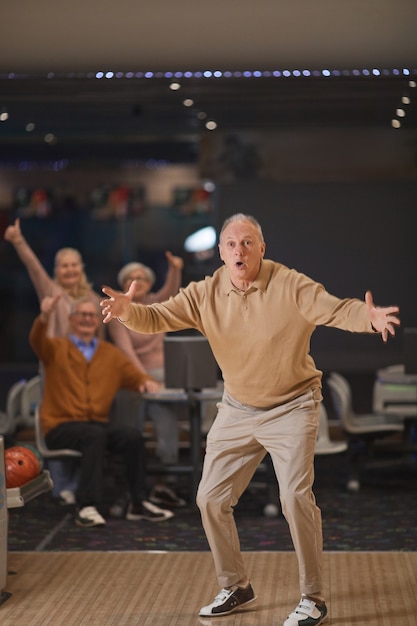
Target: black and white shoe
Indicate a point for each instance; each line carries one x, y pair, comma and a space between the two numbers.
147, 511
307, 613
88, 516
228, 600
165, 496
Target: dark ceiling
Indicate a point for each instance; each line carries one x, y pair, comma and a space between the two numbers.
49, 60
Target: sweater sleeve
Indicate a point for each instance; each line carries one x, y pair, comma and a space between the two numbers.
130, 376
169, 288
42, 345
178, 313
319, 307
41, 280
120, 336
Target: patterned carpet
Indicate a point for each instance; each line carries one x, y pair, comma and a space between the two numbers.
380, 517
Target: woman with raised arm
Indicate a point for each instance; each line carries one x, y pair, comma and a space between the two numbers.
69, 279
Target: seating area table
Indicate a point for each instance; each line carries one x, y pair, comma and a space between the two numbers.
193, 398
395, 394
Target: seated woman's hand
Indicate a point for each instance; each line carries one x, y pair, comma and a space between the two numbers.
152, 386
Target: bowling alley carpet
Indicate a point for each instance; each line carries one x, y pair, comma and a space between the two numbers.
381, 517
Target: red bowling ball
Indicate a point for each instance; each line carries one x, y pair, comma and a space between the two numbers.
21, 464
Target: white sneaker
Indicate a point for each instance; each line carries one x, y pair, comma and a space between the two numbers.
66, 497
88, 516
307, 613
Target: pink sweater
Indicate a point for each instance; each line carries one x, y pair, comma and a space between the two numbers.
146, 351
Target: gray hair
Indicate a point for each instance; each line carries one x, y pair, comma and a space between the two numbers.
75, 304
132, 267
242, 217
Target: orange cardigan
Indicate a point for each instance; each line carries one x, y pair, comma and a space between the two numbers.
75, 389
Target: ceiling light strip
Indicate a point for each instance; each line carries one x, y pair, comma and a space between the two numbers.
216, 74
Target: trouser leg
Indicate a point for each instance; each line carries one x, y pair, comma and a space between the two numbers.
90, 439
290, 439
235, 446
128, 443
232, 456
64, 474
164, 421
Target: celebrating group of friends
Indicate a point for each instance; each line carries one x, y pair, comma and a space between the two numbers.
258, 316
81, 373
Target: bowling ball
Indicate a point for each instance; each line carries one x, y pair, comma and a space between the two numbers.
21, 464
35, 450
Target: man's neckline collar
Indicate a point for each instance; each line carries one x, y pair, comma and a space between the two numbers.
260, 281
78, 341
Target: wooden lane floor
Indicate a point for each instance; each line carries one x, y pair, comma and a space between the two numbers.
167, 589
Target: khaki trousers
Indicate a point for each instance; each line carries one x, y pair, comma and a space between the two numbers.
236, 444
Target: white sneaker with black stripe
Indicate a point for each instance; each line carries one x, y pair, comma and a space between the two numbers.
307, 613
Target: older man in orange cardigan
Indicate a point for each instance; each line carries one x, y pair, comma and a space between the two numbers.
82, 374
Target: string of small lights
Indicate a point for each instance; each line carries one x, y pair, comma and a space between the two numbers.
400, 111
285, 73
174, 78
